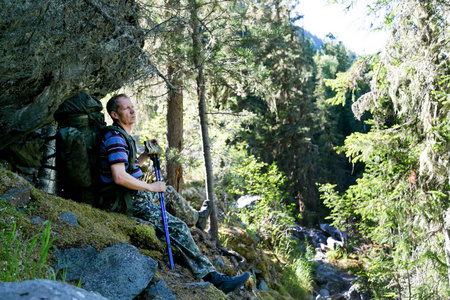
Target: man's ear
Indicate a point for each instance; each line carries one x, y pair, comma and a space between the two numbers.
114, 115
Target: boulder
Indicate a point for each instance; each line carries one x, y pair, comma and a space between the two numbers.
69, 218
334, 232
247, 201
314, 236
354, 294
52, 52
333, 244
194, 194
117, 272
17, 196
157, 290
44, 289
325, 274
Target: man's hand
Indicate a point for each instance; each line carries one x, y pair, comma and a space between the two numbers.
157, 186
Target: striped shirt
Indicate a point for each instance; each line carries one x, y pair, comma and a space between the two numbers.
114, 150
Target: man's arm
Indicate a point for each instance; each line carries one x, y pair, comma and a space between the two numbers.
121, 177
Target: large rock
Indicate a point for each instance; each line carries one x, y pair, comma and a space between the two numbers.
157, 290
337, 234
247, 201
51, 50
14, 188
354, 294
326, 275
333, 244
17, 196
314, 236
117, 272
44, 289
194, 194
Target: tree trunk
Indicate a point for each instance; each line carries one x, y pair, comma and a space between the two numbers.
206, 145
174, 170
174, 118
446, 233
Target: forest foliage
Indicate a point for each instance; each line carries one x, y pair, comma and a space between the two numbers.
399, 207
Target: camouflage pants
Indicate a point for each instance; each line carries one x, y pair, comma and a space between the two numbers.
180, 236
176, 205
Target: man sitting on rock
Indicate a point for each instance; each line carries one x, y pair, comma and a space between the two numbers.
124, 192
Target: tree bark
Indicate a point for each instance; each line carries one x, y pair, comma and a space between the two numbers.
174, 170
206, 145
174, 118
446, 233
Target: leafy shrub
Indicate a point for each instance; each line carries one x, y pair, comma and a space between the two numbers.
270, 218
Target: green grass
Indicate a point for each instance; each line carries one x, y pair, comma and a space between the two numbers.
298, 279
25, 259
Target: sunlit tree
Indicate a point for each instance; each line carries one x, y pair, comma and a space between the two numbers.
401, 203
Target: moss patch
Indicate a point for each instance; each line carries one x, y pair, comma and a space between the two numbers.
269, 295
144, 236
184, 292
97, 228
10, 180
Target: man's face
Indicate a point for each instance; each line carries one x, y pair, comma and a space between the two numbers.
125, 112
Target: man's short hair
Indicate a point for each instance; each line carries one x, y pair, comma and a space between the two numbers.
112, 104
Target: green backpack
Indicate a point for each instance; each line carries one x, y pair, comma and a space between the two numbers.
80, 125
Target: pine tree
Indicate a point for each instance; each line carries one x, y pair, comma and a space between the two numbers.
402, 201
174, 169
289, 125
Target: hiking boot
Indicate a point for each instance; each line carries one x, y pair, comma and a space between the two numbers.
203, 215
226, 283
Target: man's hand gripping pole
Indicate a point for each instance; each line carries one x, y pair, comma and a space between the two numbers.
153, 149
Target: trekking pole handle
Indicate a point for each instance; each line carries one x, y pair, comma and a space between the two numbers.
152, 147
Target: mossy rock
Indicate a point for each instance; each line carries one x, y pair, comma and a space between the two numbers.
269, 295
207, 292
98, 228
10, 180
195, 195
144, 236
236, 235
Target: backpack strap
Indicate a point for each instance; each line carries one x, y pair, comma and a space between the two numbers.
113, 193
130, 143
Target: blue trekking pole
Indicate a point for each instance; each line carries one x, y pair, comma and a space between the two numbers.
151, 147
